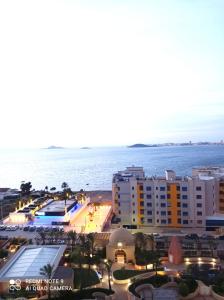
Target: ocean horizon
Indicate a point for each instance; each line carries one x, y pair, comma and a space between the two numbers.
92, 169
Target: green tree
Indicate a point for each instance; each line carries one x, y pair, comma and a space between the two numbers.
42, 236
156, 261
183, 289
66, 191
25, 188
47, 271
72, 236
140, 240
3, 253
108, 265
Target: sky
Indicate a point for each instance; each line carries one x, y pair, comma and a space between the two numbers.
109, 73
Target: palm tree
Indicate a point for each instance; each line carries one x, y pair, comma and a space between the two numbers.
151, 239
47, 271
46, 188
140, 240
65, 188
108, 265
72, 236
43, 237
212, 245
52, 189
91, 238
156, 261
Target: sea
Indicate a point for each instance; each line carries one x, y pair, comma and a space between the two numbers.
92, 169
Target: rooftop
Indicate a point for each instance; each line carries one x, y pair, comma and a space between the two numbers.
26, 263
56, 205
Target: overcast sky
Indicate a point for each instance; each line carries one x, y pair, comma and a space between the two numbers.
102, 73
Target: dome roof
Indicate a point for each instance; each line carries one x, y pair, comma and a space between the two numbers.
121, 235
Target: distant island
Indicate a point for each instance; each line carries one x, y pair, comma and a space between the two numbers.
141, 146
175, 144
85, 148
54, 147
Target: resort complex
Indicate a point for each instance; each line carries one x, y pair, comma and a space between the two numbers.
149, 238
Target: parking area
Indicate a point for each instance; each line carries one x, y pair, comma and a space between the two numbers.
28, 232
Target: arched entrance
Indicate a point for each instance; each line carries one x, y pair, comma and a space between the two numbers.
120, 257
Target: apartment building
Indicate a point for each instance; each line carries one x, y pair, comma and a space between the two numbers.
169, 201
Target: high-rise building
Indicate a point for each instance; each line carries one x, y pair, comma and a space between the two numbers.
169, 201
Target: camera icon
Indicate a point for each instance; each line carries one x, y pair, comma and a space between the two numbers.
14, 285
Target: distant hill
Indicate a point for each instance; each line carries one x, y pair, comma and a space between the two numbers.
54, 147
141, 146
85, 148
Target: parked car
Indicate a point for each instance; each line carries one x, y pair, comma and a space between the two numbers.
39, 229
32, 228
8, 228
26, 228
14, 228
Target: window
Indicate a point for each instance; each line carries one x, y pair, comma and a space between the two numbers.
178, 187
184, 189
184, 197
179, 221
142, 220
149, 204
133, 212
168, 188
118, 188
133, 220
199, 213
149, 196
199, 205
198, 196
198, 188
119, 204
156, 187
168, 196
142, 211
119, 196
163, 213
148, 188
199, 221
178, 204
178, 196
163, 204
162, 197
133, 203
185, 213
179, 213
185, 222
163, 221
141, 196
162, 188
169, 213
169, 221
149, 212
132, 188
133, 196
141, 187
149, 220
119, 212
184, 205
142, 203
